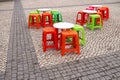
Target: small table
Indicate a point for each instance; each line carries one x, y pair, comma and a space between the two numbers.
96, 6
44, 9
89, 11
63, 25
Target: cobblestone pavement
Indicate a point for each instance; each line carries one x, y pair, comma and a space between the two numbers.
24, 55
5, 24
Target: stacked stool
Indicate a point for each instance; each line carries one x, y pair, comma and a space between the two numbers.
56, 16
47, 19
79, 29
34, 20
33, 12
52, 31
75, 42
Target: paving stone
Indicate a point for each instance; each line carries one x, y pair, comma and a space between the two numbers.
60, 78
85, 78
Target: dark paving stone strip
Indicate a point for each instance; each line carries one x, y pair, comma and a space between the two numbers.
21, 58
104, 67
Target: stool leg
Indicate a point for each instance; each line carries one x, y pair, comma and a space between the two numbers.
43, 21
76, 18
93, 22
101, 23
37, 23
44, 42
60, 17
107, 12
77, 44
73, 42
88, 22
56, 41
63, 45
29, 22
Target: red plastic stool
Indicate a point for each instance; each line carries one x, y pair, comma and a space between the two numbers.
104, 11
47, 19
34, 20
52, 31
80, 19
75, 42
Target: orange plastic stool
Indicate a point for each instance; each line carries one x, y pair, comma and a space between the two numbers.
104, 11
75, 42
52, 31
80, 19
35, 21
47, 19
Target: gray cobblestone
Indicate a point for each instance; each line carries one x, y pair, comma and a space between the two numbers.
85, 78
23, 64
67, 78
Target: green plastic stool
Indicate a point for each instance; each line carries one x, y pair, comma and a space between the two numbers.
34, 12
92, 22
79, 29
57, 16
38, 11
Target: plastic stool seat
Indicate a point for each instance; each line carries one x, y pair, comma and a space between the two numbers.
34, 12
95, 16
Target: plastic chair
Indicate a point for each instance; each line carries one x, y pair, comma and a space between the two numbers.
92, 21
54, 39
56, 16
75, 42
79, 29
47, 19
34, 20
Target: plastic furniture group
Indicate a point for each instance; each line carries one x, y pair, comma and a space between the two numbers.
59, 31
